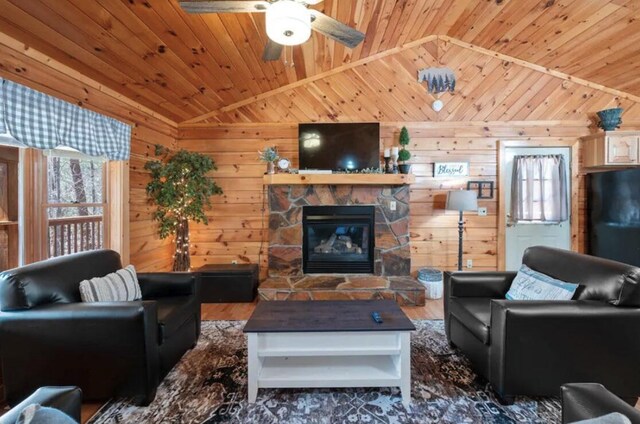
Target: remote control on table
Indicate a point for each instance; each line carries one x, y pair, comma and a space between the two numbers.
376, 317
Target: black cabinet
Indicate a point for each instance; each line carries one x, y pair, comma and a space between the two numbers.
228, 283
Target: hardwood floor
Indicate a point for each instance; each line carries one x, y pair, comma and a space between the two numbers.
88, 410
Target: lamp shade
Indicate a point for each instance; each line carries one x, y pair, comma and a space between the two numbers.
462, 200
288, 22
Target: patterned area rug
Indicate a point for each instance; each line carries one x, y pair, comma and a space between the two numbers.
209, 386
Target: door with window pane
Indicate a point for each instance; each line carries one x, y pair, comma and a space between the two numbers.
540, 217
75, 206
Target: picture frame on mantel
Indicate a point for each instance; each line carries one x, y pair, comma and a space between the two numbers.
450, 169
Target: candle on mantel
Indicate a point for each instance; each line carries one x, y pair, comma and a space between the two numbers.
394, 151
387, 152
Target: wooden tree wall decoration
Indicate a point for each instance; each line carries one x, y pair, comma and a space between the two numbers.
181, 190
439, 80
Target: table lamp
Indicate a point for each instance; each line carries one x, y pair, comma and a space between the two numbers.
461, 200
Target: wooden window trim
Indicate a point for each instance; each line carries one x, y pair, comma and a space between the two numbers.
10, 213
118, 215
34, 223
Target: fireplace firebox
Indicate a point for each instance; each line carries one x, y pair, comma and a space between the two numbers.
338, 239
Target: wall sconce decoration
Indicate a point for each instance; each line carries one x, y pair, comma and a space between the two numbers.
439, 80
483, 188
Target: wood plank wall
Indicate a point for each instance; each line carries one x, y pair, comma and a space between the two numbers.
517, 102
148, 252
24, 65
496, 99
236, 230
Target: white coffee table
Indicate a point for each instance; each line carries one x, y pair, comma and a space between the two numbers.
300, 344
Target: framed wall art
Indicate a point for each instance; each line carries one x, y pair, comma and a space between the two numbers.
450, 169
483, 188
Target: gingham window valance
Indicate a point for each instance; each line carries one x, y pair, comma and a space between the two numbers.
41, 121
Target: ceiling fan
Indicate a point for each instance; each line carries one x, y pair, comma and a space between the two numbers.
288, 22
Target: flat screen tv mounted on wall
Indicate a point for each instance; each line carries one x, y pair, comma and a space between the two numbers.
339, 147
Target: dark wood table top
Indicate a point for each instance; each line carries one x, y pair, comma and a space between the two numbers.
326, 315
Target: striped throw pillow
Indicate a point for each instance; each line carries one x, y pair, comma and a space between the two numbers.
121, 285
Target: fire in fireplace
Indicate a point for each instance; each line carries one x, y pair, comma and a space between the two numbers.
338, 239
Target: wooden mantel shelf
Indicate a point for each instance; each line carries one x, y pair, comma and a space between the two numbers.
339, 179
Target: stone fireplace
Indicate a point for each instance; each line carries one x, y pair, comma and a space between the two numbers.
340, 242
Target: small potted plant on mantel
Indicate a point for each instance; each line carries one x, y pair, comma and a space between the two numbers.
404, 155
270, 156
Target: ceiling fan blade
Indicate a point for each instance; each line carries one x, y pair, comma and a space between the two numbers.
224, 6
336, 30
272, 51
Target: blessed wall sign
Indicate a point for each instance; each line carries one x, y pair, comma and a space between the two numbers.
450, 169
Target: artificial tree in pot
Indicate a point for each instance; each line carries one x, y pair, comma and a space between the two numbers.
404, 155
181, 189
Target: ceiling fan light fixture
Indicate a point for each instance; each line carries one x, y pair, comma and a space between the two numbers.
288, 22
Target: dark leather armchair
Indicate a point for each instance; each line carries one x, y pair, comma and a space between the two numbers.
65, 399
49, 337
583, 401
534, 347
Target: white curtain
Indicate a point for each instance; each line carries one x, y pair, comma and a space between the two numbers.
539, 189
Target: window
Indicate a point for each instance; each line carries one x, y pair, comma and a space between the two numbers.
539, 189
75, 206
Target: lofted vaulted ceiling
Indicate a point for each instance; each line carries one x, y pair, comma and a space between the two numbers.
489, 88
184, 66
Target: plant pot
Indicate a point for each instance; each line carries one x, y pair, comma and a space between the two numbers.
610, 118
405, 168
271, 168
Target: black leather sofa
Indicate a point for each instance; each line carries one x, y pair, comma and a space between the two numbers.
583, 401
48, 337
65, 399
534, 347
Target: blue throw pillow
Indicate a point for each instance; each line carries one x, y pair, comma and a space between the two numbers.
534, 285
37, 414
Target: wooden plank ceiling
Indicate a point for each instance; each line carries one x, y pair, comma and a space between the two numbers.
385, 90
184, 66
